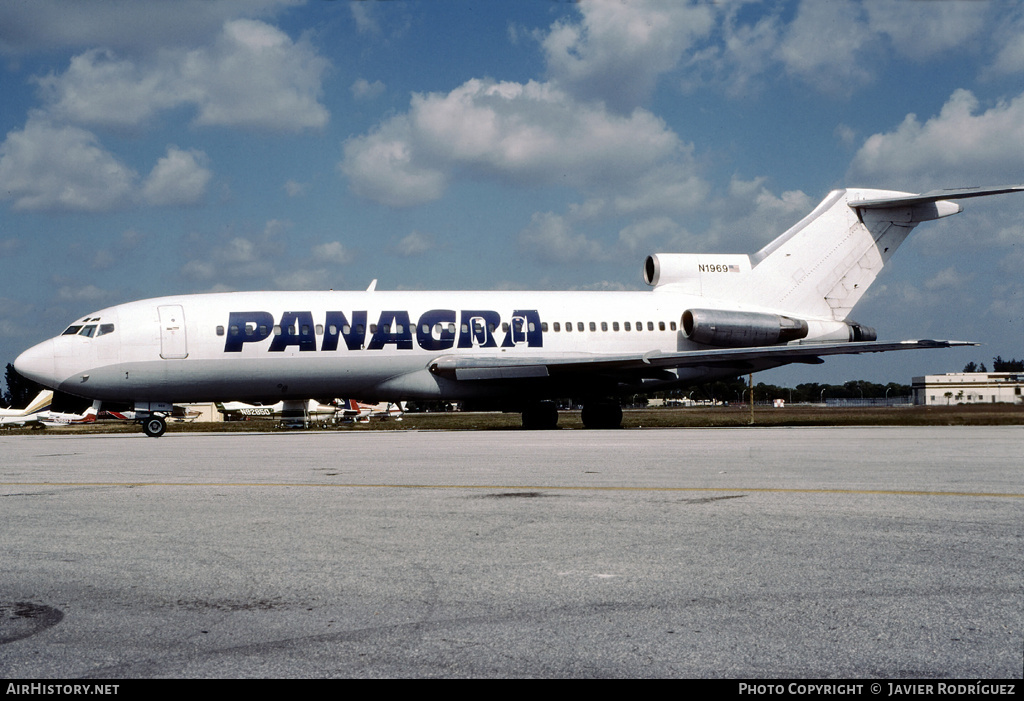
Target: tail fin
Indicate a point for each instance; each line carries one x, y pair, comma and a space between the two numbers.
822, 266
40, 403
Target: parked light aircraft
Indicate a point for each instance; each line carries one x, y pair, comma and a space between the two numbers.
361, 412
19, 417
302, 411
707, 316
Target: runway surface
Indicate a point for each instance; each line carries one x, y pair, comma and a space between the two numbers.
795, 552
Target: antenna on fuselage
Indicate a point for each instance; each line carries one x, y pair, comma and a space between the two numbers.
373, 285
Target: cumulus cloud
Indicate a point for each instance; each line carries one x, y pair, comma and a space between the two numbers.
178, 178
550, 238
828, 46
414, 244
247, 260
616, 51
332, 252
253, 75
62, 168
962, 145
363, 89
532, 133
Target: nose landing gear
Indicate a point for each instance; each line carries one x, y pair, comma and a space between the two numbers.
154, 426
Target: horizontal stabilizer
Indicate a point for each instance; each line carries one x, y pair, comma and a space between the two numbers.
934, 196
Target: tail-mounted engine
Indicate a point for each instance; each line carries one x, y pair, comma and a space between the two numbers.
735, 329
716, 327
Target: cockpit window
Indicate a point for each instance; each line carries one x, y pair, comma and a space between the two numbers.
88, 331
105, 329
71, 330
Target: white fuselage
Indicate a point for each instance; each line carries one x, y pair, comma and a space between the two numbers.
264, 346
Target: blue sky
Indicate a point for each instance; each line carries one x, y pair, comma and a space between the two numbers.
157, 147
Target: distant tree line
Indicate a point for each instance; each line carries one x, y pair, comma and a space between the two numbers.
998, 365
737, 390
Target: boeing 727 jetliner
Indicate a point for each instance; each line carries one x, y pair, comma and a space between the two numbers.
707, 316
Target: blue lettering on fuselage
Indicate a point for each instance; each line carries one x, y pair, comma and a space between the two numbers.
436, 330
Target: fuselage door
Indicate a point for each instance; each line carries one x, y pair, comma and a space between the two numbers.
172, 332
519, 330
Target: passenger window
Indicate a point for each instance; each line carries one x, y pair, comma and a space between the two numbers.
672, 326
579, 325
661, 325
650, 326
627, 327
593, 326
277, 329
604, 325
220, 330
319, 329
615, 326
568, 326
557, 326
234, 330
639, 326
543, 327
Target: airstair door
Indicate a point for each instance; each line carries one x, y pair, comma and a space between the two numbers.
172, 332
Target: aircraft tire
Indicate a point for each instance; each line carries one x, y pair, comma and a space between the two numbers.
602, 415
540, 417
154, 426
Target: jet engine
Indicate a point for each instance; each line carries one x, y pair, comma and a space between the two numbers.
732, 329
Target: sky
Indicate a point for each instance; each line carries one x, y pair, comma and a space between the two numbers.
155, 147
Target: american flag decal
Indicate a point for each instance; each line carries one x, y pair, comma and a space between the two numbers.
734, 268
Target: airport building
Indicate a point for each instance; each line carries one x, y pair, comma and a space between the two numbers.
968, 388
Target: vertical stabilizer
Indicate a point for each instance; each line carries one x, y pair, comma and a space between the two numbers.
823, 266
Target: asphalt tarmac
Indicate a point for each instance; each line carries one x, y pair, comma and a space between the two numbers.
781, 552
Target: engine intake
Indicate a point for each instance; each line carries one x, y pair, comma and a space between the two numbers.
716, 327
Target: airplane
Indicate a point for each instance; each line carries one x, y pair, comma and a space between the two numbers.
57, 418
707, 316
289, 411
361, 412
19, 417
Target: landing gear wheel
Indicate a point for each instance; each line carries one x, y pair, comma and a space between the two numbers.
602, 415
154, 426
542, 416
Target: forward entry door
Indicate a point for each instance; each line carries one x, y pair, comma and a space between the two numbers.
172, 332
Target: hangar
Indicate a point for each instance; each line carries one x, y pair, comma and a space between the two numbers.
968, 388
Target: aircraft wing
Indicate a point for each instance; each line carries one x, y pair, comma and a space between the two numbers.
522, 367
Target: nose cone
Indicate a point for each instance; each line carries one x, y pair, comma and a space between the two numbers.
37, 364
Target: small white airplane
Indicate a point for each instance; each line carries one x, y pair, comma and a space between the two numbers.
361, 412
57, 418
19, 417
290, 410
708, 316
